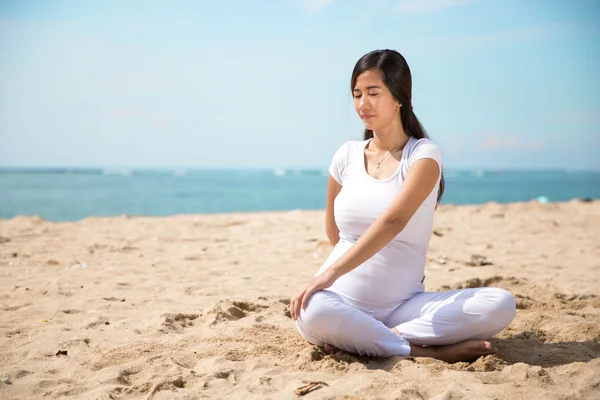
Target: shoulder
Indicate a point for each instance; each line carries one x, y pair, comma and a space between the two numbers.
348, 147
424, 148
343, 157
350, 144
423, 145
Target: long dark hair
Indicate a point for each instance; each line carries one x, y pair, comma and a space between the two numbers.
395, 74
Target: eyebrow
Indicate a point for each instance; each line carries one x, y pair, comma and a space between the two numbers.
368, 88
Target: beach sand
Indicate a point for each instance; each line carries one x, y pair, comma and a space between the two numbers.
196, 306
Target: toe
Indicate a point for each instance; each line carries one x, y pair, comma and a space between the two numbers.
329, 349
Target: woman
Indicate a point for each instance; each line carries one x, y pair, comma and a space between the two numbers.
368, 297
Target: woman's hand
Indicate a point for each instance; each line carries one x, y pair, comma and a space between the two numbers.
306, 290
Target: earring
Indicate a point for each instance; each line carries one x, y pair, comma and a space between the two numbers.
399, 105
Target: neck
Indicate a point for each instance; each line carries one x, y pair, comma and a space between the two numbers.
390, 138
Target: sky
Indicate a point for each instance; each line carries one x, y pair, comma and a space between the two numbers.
251, 84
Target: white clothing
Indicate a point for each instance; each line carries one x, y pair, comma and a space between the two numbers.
356, 313
395, 273
426, 319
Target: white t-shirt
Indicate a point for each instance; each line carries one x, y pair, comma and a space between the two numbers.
395, 273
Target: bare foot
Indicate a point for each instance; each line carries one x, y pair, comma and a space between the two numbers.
467, 350
329, 349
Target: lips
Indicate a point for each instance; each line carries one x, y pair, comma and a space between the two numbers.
366, 116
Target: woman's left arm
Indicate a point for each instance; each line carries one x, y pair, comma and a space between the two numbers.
420, 181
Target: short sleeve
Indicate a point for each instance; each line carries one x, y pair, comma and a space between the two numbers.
338, 163
426, 148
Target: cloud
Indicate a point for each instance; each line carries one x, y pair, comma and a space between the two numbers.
493, 141
427, 6
316, 5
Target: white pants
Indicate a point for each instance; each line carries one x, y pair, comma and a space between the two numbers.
426, 319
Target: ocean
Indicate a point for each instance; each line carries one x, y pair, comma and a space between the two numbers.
73, 194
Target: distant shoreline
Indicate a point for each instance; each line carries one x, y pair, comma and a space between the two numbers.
258, 168
70, 195
493, 204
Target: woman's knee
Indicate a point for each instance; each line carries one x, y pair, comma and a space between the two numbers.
319, 313
506, 308
499, 307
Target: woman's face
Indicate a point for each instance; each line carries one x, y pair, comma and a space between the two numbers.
373, 102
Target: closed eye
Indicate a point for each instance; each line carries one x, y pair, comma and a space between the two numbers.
370, 94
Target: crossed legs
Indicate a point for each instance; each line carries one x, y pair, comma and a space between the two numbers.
451, 326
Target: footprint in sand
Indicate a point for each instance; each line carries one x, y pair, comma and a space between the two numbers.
478, 282
127, 392
220, 379
233, 310
70, 344
71, 311
97, 323
170, 385
15, 308
526, 302
14, 332
119, 299
125, 376
177, 322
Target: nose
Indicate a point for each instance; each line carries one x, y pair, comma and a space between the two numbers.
363, 104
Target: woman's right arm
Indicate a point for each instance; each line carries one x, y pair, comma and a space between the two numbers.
333, 189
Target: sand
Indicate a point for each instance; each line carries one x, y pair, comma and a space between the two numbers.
196, 306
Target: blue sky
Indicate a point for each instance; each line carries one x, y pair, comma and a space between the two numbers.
497, 84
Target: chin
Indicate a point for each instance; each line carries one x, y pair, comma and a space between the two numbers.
370, 125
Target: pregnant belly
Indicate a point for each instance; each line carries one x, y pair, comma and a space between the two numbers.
385, 280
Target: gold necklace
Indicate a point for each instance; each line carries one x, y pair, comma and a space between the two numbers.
390, 152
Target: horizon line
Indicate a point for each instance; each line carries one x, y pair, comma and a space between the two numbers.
264, 168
